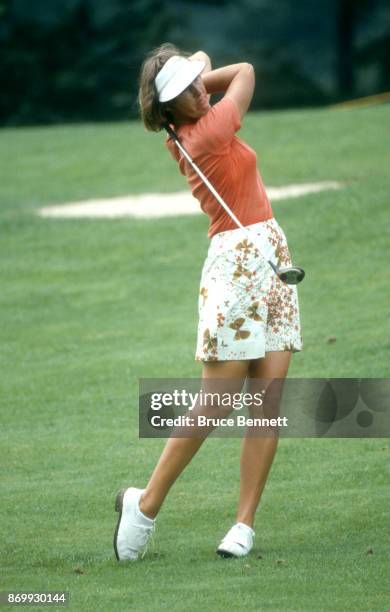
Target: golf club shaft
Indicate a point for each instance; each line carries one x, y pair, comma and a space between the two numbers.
288, 275
205, 180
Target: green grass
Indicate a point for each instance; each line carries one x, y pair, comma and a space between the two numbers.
90, 306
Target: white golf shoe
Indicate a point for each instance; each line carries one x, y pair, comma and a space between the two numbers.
133, 529
238, 542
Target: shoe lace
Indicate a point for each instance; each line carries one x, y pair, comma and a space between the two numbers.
148, 538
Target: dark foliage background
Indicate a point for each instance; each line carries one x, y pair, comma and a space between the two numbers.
77, 60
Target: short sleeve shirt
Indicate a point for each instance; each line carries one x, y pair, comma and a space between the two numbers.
229, 164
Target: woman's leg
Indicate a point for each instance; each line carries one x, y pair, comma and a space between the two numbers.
258, 452
178, 452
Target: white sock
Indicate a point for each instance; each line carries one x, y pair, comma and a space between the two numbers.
145, 519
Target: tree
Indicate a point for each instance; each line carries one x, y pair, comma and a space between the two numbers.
348, 14
77, 66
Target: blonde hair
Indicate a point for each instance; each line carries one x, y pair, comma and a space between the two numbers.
154, 113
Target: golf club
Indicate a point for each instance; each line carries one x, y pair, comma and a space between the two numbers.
289, 275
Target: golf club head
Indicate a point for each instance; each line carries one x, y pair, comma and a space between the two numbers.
292, 275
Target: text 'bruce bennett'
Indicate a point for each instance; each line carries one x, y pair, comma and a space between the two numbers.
203, 421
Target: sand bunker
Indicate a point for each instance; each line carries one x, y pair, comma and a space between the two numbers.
163, 204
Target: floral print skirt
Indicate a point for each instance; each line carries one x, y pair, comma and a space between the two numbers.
245, 310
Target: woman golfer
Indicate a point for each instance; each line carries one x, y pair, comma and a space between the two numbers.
248, 318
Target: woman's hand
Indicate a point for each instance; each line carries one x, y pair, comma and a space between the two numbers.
203, 57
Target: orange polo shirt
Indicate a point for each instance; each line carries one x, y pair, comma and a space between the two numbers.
228, 163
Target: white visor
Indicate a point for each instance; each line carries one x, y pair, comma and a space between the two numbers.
176, 74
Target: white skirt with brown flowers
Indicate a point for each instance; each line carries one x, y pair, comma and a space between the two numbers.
245, 310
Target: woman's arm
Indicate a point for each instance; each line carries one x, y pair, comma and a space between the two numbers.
237, 80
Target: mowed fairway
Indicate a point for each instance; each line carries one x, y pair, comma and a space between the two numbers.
90, 306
